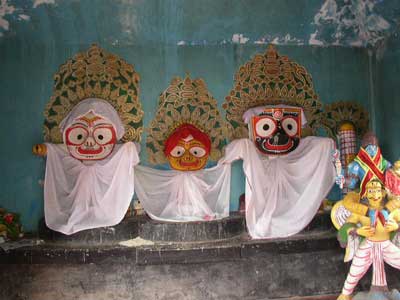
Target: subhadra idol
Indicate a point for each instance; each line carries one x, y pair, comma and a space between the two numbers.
287, 176
89, 178
187, 130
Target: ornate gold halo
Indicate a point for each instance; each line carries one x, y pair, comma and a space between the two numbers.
185, 101
339, 112
95, 74
270, 79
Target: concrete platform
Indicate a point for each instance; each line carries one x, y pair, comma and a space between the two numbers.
307, 264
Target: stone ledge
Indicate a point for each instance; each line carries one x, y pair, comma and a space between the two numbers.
132, 227
170, 253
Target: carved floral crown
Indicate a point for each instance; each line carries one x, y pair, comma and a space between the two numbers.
185, 101
95, 74
269, 79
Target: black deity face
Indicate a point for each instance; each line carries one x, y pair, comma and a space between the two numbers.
277, 131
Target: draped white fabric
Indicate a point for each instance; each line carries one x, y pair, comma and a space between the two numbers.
79, 196
283, 193
184, 196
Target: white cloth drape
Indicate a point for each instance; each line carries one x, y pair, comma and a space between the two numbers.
79, 196
283, 193
184, 196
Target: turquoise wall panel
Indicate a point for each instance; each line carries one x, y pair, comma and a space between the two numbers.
388, 100
161, 39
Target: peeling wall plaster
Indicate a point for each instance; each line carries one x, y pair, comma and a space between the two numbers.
36, 3
239, 38
349, 22
12, 12
5, 10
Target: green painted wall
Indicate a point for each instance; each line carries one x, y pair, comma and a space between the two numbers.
161, 39
388, 101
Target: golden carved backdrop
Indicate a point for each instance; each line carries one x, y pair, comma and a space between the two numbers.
340, 112
270, 79
185, 101
95, 73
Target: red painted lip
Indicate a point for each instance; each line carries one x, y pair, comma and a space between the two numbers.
287, 146
193, 164
88, 151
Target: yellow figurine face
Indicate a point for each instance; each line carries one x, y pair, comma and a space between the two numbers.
374, 194
187, 148
188, 155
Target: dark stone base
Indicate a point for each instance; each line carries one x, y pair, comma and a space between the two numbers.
309, 263
222, 229
149, 229
126, 230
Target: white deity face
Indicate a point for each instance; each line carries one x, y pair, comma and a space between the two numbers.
90, 137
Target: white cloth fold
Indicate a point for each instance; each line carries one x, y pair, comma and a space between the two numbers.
283, 193
169, 195
79, 196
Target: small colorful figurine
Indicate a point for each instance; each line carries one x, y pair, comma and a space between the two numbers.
367, 236
348, 149
368, 163
392, 183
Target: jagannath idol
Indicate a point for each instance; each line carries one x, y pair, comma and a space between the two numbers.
270, 108
186, 132
90, 123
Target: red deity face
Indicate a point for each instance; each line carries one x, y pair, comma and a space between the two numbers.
187, 148
277, 130
90, 137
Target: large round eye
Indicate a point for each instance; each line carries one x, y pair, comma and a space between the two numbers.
290, 126
265, 127
177, 151
77, 135
198, 151
103, 135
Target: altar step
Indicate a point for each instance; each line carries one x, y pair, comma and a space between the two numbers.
310, 263
235, 268
148, 229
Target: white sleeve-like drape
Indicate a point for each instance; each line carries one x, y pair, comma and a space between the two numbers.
283, 193
179, 196
79, 196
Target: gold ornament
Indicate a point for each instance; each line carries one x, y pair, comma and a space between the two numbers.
95, 74
185, 101
341, 112
39, 149
271, 79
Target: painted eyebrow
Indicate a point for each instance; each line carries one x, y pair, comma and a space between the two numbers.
104, 124
79, 123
